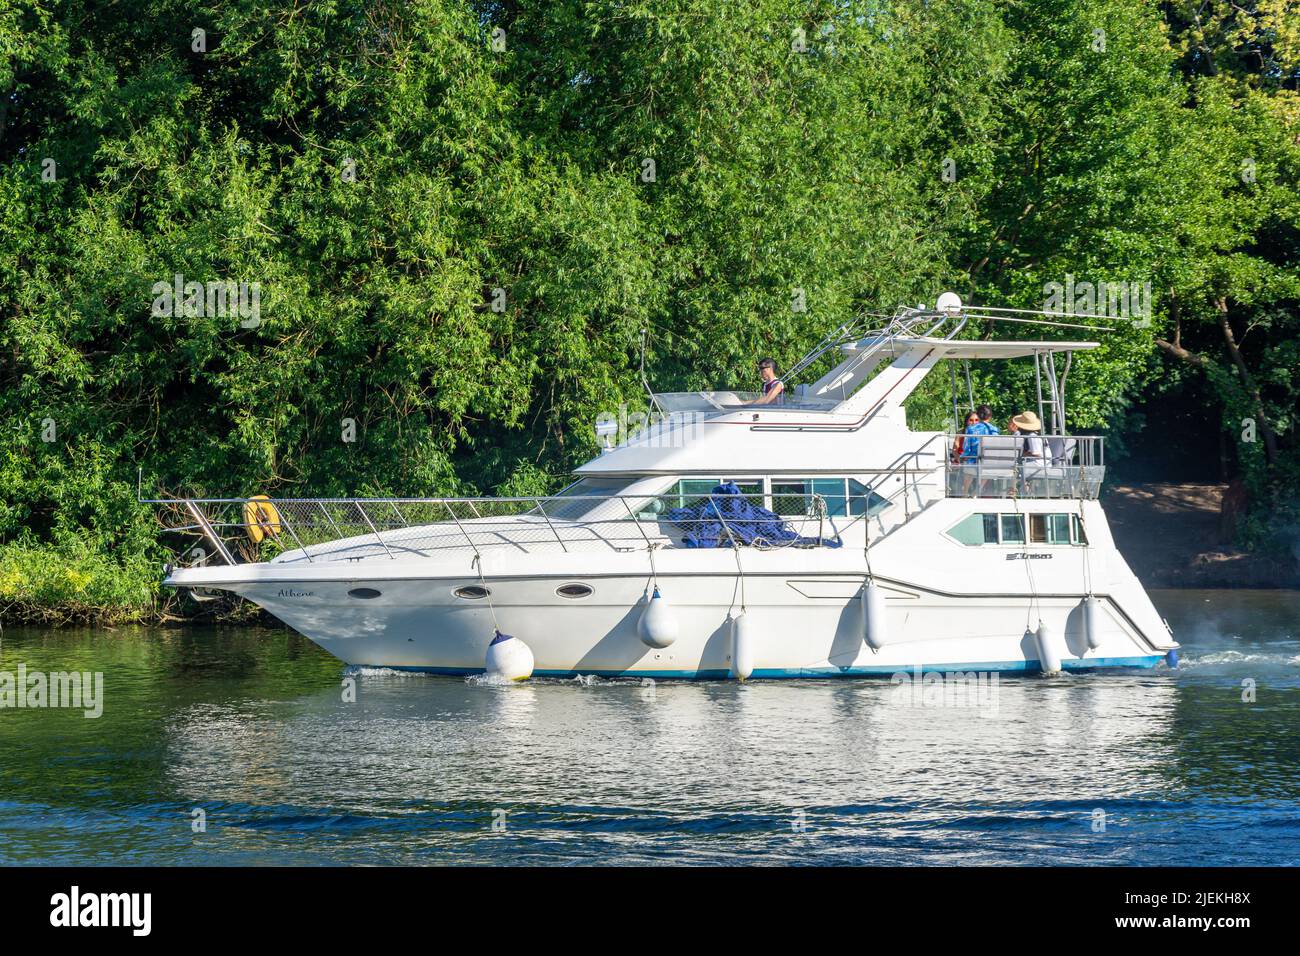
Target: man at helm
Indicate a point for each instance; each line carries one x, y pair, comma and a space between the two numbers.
773, 388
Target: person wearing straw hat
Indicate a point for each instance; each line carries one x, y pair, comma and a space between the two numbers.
1027, 426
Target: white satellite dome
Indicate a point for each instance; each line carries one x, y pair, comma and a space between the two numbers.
949, 302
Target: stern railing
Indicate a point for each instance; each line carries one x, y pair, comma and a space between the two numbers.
1017, 466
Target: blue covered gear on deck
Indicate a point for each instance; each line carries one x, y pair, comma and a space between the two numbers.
706, 523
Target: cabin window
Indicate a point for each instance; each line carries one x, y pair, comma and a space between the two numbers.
585, 495
365, 594
1049, 529
691, 491
790, 497
1013, 529
794, 497
843, 497
990, 529
977, 529
862, 500
471, 592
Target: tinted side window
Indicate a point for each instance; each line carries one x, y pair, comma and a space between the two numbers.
1013, 529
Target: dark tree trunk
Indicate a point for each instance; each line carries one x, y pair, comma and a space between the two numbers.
1248, 383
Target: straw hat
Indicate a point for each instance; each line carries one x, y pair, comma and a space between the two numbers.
1027, 421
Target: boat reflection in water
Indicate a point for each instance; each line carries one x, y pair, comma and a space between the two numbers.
252, 727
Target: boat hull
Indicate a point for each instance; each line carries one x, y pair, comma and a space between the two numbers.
805, 625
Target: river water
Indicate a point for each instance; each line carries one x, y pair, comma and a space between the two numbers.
236, 746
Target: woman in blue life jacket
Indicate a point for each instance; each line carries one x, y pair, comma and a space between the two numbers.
971, 446
773, 389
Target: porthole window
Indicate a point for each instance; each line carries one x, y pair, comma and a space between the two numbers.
365, 594
471, 592
573, 591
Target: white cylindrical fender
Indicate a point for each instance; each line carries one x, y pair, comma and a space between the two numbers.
873, 615
1092, 621
658, 625
508, 658
742, 646
1049, 658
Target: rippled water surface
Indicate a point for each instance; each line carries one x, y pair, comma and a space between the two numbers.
250, 727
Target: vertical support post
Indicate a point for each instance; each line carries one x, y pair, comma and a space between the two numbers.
1038, 381
1060, 395
284, 521
378, 537
452, 511
202, 521
956, 406
1054, 385
325, 512
636, 522
538, 503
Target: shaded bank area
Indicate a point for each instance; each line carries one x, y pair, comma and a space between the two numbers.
1178, 535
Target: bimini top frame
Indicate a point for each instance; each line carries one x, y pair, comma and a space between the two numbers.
924, 335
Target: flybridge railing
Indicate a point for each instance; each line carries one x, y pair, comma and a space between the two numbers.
904, 322
245, 530
731, 401
1017, 466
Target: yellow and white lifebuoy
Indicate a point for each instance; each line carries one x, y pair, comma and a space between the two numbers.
261, 520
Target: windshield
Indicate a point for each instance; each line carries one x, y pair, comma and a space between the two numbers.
557, 507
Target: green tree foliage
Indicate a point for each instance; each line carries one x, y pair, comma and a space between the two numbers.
1233, 270
460, 216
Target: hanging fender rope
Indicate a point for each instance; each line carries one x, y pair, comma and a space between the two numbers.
487, 592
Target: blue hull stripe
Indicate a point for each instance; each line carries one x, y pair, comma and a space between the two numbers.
1031, 667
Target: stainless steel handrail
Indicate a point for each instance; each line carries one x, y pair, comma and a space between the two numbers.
1076, 472
497, 529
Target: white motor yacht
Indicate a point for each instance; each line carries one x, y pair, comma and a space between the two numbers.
814, 537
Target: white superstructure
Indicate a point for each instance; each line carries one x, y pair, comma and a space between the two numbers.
883, 552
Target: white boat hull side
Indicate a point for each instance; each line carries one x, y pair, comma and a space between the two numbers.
947, 606
418, 625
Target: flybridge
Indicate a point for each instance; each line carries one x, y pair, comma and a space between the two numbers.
913, 341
